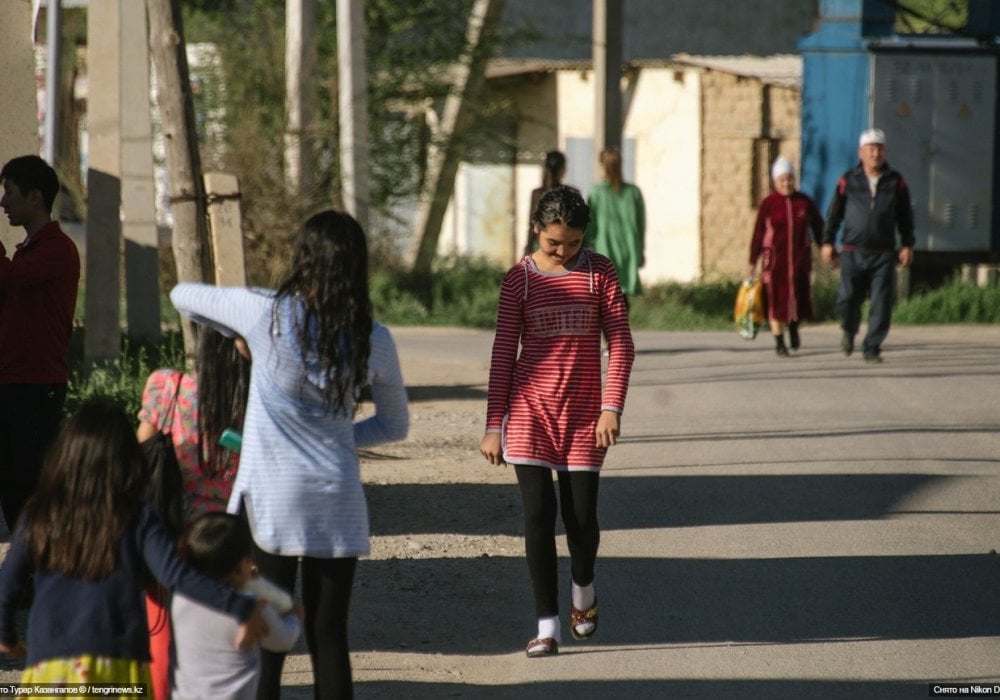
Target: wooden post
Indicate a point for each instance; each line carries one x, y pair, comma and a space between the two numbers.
225, 229
187, 191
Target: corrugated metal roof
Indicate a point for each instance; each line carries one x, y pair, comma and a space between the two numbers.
780, 69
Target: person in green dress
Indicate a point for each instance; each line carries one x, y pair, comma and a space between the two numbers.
618, 222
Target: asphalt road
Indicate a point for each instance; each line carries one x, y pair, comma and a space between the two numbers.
772, 528
810, 527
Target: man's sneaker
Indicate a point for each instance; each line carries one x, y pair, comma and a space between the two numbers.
873, 357
847, 344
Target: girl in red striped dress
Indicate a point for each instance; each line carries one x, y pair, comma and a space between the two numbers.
547, 410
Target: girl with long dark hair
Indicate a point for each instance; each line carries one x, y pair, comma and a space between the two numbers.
553, 172
89, 543
195, 407
315, 347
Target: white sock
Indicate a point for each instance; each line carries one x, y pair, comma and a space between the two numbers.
584, 596
548, 627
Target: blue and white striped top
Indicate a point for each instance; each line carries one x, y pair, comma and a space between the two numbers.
299, 475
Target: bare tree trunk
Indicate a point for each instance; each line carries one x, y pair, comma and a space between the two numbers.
446, 151
187, 190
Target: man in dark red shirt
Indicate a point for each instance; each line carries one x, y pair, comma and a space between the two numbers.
38, 288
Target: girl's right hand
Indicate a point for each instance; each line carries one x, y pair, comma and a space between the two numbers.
492, 449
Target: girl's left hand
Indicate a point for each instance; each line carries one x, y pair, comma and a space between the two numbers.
607, 429
253, 629
18, 650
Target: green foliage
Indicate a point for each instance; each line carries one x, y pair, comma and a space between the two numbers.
409, 49
464, 291
956, 302
122, 379
460, 292
675, 306
931, 16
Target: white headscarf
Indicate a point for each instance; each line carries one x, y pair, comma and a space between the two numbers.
782, 166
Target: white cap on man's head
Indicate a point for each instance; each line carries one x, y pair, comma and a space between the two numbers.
872, 136
782, 166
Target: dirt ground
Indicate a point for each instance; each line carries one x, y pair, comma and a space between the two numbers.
434, 505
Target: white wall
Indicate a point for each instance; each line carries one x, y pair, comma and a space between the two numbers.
664, 120
488, 214
19, 106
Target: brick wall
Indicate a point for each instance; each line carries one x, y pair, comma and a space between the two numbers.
736, 113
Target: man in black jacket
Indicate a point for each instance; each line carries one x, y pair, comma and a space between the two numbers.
872, 202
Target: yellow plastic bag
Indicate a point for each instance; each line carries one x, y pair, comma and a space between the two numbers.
748, 312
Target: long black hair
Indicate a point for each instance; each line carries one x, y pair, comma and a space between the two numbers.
223, 386
561, 205
553, 169
329, 273
90, 487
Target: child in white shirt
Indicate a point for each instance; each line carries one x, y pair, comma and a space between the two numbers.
206, 665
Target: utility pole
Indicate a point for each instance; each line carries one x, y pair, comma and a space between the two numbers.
353, 98
300, 28
53, 71
607, 55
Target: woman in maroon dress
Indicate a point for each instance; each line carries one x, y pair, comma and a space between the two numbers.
781, 243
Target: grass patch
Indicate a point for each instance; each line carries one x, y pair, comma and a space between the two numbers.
955, 302
124, 378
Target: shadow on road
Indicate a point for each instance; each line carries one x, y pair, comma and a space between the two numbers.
662, 602
636, 503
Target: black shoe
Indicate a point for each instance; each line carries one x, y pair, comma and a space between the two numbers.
847, 344
779, 346
793, 336
873, 357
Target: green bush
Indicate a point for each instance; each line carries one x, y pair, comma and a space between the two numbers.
460, 292
955, 302
122, 379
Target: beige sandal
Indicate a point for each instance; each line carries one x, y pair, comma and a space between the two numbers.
579, 617
542, 646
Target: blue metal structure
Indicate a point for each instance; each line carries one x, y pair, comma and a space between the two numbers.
936, 99
836, 70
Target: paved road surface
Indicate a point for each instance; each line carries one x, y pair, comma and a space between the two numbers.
814, 527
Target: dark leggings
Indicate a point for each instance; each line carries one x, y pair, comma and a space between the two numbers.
578, 496
326, 595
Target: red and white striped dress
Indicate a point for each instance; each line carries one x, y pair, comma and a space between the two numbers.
546, 400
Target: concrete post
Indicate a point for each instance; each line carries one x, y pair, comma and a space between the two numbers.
353, 109
300, 28
19, 106
607, 53
102, 338
53, 71
225, 229
142, 253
